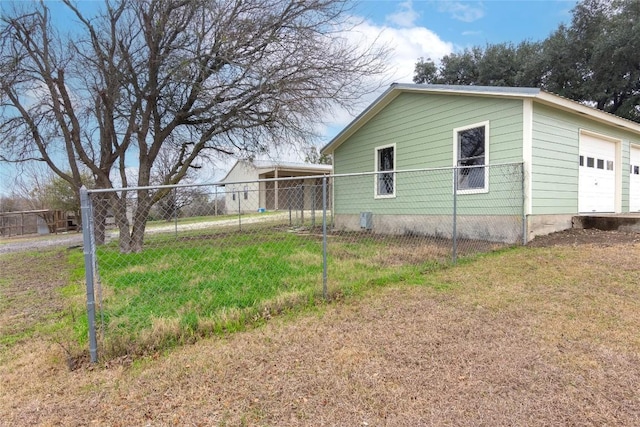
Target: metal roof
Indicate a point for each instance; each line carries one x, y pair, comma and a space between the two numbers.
266, 165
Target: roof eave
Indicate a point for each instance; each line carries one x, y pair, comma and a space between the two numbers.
536, 94
575, 107
397, 88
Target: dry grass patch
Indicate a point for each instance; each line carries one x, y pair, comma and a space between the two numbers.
31, 287
574, 293
401, 255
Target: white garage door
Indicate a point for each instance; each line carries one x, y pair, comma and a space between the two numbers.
597, 176
634, 180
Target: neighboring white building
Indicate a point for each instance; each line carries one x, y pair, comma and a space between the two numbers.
271, 185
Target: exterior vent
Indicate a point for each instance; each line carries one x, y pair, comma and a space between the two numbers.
366, 220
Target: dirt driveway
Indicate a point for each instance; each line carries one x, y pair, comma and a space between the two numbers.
545, 335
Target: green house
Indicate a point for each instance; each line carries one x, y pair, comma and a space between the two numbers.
521, 162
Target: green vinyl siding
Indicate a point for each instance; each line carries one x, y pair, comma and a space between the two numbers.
421, 126
430, 192
556, 136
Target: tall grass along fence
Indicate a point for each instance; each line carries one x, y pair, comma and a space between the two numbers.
206, 259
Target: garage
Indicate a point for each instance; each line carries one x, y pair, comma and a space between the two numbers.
634, 179
597, 174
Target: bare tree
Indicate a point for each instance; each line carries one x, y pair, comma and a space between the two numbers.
235, 75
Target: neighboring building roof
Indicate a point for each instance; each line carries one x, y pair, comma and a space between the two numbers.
264, 166
271, 165
535, 94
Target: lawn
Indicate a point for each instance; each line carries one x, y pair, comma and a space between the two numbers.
203, 283
527, 336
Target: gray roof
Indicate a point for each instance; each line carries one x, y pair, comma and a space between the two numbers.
272, 164
523, 91
267, 165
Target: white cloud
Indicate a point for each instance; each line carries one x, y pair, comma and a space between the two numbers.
406, 46
405, 17
462, 11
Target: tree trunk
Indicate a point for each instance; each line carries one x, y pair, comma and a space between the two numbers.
100, 211
119, 206
140, 221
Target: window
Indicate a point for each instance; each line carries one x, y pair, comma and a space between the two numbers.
385, 167
246, 192
609, 165
590, 162
471, 157
581, 160
600, 163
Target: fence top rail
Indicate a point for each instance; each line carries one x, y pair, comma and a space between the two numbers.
206, 184
292, 178
446, 168
25, 212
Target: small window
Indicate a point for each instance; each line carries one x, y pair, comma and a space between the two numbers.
636, 170
246, 192
600, 163
609, 165
385, 167
581, 160
471, 158
234, 195
590, 162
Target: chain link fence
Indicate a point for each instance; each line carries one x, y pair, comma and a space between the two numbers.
166, 265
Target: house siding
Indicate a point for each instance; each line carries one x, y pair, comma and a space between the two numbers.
237, 180
422, 128
556, 136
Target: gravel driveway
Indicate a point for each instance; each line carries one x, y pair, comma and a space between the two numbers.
22, 244
35, 243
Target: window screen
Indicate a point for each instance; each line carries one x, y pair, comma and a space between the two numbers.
385, 179
471, 152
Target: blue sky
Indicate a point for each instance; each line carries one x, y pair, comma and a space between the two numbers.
432, 28
425, 28
469, 23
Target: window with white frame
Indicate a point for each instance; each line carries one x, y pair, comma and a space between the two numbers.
471, 155
385, 171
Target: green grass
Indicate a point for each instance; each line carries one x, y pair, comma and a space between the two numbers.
204, 282
177, 290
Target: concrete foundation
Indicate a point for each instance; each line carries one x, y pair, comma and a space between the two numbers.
494, 228
619, 222
498, 228
541, 225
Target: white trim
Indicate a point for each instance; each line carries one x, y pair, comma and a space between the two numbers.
632, 146
375, 176
527, 154
487, 140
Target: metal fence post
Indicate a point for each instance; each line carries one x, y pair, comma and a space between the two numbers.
324, 237
454, 254
85, 206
